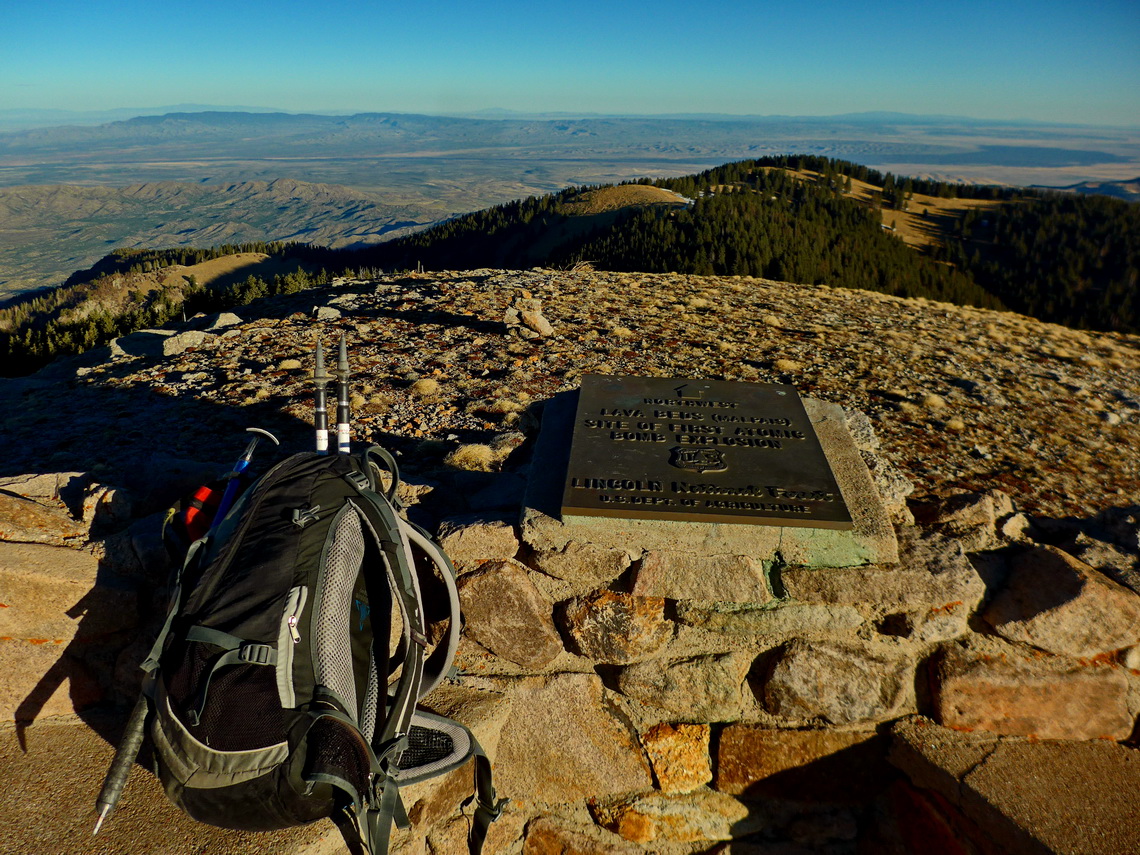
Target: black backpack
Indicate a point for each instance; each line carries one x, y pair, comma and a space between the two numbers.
274, 697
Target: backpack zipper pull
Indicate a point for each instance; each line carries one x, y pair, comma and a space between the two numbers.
294, 605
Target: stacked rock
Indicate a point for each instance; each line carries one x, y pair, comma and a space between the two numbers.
524, 317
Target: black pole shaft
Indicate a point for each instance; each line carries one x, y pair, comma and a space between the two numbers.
120, 768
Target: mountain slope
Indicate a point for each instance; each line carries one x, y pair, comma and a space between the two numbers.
1067, 259
50, 231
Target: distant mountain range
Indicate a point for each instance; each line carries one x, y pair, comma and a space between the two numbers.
362, 150
28, 118
1129, 191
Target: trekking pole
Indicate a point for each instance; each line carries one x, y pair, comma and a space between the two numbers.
242, 464
120, 768
342, 444
321, 380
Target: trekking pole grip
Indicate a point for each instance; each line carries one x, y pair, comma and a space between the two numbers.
125, 756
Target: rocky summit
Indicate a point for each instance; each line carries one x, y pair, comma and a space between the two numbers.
973, 688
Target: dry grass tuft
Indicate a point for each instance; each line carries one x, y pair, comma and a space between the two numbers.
472, 458
934, 402
424, 388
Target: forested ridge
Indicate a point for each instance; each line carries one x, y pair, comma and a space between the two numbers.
1066, 258
753, 218
119, 295
1070, 259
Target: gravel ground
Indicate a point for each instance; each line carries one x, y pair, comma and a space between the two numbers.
962, 399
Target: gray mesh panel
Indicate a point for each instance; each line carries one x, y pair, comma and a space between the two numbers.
434, 746
333, 648
371, 701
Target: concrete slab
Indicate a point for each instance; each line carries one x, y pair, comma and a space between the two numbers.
872, 541
1079, 798
47, 804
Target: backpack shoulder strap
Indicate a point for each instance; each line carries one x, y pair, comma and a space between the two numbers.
438, 664
399, 563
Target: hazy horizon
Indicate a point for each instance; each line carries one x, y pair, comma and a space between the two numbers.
507, 113
1053, 62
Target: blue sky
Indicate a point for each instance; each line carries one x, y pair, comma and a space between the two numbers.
1044, 60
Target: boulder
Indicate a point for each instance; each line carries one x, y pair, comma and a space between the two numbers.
506, 613
471, 539
107, 507
549, 836
616, 628
709, 578
1058, 603
223, 320
49, 595
49, 603
933, 571
679, 755
534, 319
53, 488
702, 815
798, 619
1002, 690
26, 521
703, 688
758, 762
181, 342
836, 683
1018, 795
583, 564
564, 741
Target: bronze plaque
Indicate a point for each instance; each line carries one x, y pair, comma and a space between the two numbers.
699, 450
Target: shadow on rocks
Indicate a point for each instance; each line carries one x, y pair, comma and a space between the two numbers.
159, 448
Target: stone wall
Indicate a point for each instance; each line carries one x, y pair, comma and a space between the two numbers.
641, 699
657, 699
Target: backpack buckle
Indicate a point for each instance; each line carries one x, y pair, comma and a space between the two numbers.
303, 516
256, 654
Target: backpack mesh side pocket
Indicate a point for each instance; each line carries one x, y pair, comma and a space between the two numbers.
337, 754
242, 711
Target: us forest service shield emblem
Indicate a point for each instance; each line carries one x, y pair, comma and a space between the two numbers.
698, 459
